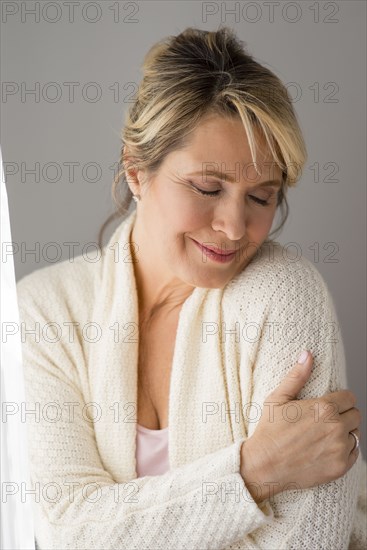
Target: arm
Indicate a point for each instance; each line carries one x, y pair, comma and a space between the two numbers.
301, 315
79, 505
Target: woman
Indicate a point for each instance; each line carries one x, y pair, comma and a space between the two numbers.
187, 330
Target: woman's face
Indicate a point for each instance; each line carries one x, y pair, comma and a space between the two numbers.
173, 216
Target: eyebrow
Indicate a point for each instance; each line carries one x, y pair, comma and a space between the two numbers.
268, 183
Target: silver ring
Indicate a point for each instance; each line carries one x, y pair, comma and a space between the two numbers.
356, 446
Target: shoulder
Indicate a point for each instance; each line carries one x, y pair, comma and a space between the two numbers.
282, 305
70, 287
67, 285
279, 277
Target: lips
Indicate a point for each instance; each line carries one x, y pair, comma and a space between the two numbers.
217, 250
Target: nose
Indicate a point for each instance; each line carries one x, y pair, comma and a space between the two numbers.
231, 219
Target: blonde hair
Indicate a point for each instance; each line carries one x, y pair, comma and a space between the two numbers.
192, 75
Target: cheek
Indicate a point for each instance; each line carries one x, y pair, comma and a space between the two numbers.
259, 224
172, 218
176, 206
187, 218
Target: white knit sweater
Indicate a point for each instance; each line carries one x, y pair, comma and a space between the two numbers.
233, 347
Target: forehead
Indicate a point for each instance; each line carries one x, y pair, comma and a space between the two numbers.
219, 144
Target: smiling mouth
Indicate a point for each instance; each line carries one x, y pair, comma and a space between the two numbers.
215, 256
217, 251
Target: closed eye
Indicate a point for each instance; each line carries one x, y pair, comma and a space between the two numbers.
215, 194
259, 201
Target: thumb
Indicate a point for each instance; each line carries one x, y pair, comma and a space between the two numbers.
294, 381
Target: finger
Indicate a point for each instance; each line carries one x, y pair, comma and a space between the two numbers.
344, 399
352, 458
351, 419
292, 384
353, 442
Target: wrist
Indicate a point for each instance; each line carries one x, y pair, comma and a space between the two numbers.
255, 474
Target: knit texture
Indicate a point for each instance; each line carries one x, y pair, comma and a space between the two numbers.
79, 325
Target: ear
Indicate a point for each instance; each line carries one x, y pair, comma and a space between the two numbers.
134, 175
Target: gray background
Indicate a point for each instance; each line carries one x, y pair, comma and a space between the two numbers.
322, 53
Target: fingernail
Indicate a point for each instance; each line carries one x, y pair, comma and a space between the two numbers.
303, 357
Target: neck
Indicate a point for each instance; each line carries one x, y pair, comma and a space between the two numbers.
167, 298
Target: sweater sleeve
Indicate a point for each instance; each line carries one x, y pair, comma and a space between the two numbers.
299, 314
77, 504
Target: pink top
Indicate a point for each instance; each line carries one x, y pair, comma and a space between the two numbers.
151, 451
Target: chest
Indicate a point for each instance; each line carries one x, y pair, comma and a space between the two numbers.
156, 349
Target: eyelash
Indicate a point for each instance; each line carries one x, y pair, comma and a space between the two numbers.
261, 202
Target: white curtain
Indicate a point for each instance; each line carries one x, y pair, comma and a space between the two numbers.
16, 504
